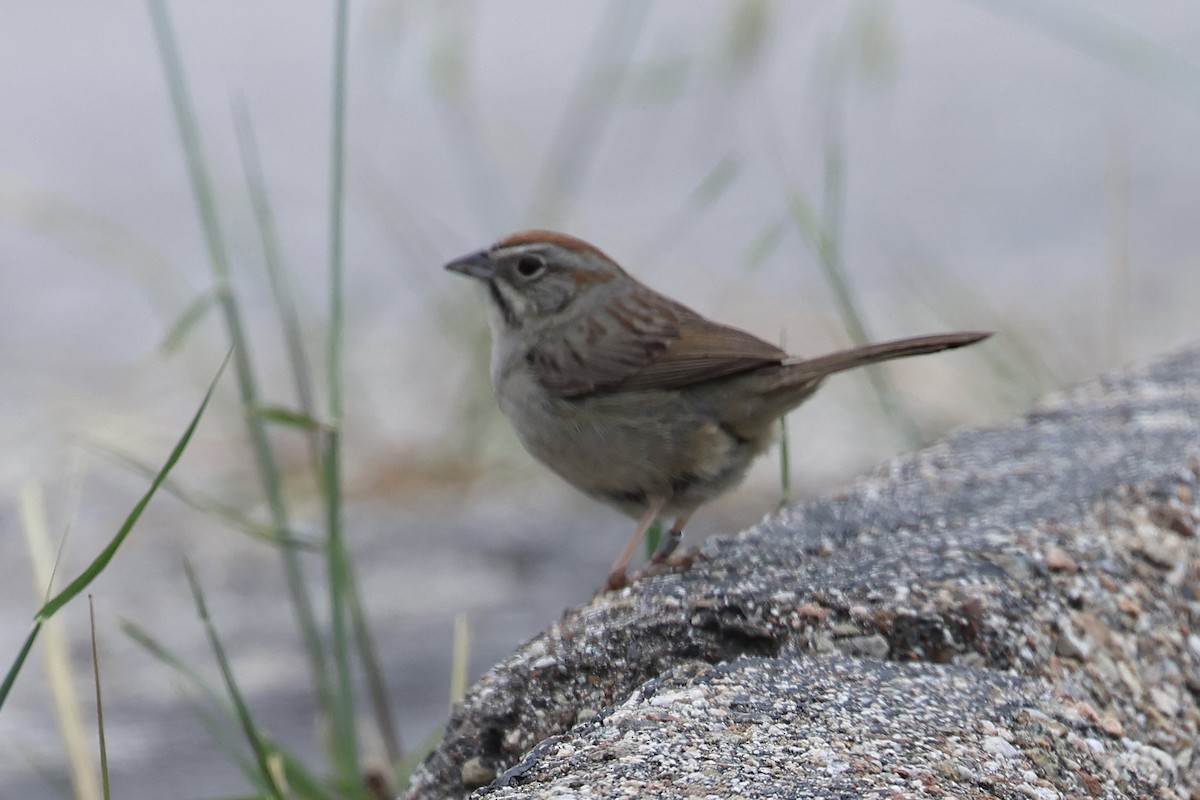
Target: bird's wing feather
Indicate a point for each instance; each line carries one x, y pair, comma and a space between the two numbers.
645, 341
703, 351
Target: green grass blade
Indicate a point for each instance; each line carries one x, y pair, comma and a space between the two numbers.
785, 458
715, 183
218, 732
307, 418
653, 538
187, 321
277, 276
189, 133
746, 33
830, 259
106, 555
460, 660
155, 648
822, 236
344, 732
300, 781
785, 464
27, 206
11, 677
1020, 366
372, 671
204, 503
718, 180
763, 246
286, 416
101, 561
264, 455
228, 743
863, 47
337, 189
257, 741
74, 733
406, 768
104, 779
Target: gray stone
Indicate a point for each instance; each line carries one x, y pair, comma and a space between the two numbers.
729, 678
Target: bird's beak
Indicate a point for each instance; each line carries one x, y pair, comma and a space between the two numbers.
476, 265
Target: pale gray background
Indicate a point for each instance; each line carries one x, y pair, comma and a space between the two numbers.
984, 188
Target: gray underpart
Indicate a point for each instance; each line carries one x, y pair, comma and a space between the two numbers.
1005, 614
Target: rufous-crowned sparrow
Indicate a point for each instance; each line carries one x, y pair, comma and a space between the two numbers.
631, 397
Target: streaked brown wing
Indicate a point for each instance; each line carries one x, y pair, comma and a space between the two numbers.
645, 341
704, 350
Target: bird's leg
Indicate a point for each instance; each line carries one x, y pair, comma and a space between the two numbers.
671, 540
616, 576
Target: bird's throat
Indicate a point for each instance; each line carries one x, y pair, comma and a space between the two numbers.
502, 306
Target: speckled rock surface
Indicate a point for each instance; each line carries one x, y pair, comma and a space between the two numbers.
1007, 614
830, 726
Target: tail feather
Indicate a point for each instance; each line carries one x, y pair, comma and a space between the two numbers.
800, 369
774, 390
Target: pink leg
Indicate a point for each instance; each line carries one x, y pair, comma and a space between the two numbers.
616, 576
671, 540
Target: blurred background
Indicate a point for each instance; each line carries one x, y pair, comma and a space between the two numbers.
794, 168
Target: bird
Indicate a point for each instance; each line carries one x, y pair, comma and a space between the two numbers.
632, 397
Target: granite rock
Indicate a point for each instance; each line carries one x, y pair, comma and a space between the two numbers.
1004, 614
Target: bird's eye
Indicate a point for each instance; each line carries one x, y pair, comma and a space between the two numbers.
530, 266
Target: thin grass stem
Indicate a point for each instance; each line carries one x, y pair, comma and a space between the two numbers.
254, 737
282, 291
204, 503
785, 459
460, 660
105, 784
264, 455
59, 677
300, 781
829, 256
75, 587
368, 654
345, 735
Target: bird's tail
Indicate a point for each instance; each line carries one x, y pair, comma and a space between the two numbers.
802, 369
